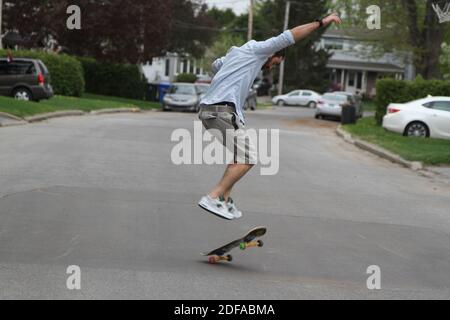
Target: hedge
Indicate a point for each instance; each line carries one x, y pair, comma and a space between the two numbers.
186, 77
400, 91
66, 72
113, 79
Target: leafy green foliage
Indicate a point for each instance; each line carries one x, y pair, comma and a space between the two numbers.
186, 77
113, 79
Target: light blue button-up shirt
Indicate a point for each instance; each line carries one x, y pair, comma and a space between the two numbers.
239, 68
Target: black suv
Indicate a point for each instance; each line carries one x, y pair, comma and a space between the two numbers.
25, 79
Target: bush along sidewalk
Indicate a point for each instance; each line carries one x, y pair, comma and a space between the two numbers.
397, 91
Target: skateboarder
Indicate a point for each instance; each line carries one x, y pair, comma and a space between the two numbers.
222, 107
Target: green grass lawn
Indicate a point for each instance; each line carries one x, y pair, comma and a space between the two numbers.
428, 151
60, 103
144, 105
369, 105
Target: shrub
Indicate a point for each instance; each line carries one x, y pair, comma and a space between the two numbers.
113, 79
396, 91
66, 72
186, 77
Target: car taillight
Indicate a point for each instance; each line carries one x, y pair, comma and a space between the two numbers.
41, 80
321, 102
393, 110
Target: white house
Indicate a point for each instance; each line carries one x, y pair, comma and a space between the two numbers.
353, 67
166, 69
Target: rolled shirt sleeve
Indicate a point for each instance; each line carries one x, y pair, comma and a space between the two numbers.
273, 45
217, 65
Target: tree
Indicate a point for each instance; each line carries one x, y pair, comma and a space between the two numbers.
305, 63
407, 26
113, 30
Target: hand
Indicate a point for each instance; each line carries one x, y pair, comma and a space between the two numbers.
332, 18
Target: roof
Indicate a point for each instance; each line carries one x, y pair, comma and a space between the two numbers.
354, 60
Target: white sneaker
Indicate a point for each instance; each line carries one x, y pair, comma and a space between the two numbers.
233, 210
217, 207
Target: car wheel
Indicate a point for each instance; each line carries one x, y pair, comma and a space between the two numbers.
312, 105
417, 129
318, 116
22, 94
280, 103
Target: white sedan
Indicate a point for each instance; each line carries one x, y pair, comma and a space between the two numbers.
307, 98
429, 117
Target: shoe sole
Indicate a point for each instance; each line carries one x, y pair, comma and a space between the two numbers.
217, 215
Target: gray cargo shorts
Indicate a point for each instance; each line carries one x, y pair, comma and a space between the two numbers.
224, 124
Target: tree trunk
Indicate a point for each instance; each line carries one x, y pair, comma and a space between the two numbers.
427, 43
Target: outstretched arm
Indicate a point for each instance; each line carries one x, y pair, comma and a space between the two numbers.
289, 37
304, 31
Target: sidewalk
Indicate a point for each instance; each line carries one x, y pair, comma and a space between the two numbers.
7, 120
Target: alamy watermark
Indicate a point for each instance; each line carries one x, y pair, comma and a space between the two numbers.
73, 282
74, 20
442, 13
374, 281
254, 146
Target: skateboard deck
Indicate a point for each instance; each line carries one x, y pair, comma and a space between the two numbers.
248, 241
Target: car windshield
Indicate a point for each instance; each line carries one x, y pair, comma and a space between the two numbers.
182, 89
202, 89
335, 97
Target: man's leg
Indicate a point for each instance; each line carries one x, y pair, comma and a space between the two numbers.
233, 174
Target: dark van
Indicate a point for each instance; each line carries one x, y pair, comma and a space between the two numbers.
25, 79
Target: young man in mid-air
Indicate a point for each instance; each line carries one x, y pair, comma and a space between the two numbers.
222, 106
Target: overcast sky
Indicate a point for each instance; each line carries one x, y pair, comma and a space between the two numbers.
238, 6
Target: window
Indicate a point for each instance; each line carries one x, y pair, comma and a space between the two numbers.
359, 82
185, 65
351, 79
307, 94
441, 105
334, 44
167, 67
294, 94
17, 68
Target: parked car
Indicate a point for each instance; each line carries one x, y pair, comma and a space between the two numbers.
202, 88
331, 104
429, 117
262, 87
307, 98
182, 96
25, 79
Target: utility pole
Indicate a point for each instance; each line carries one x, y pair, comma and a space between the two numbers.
1, 15
250, 20
286, 25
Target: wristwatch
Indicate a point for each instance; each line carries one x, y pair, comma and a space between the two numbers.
320, 21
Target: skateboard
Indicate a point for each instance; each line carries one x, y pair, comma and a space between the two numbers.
248, 241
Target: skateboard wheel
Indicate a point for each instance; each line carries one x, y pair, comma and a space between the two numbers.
243, 246
212, 260
229, 258
260, 243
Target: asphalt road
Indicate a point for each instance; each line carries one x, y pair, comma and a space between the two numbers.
102, 193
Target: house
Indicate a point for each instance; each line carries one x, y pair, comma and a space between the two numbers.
166, 68
354, 68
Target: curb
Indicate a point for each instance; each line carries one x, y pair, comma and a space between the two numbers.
10, 116
120, 110
378, 151
58, 114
